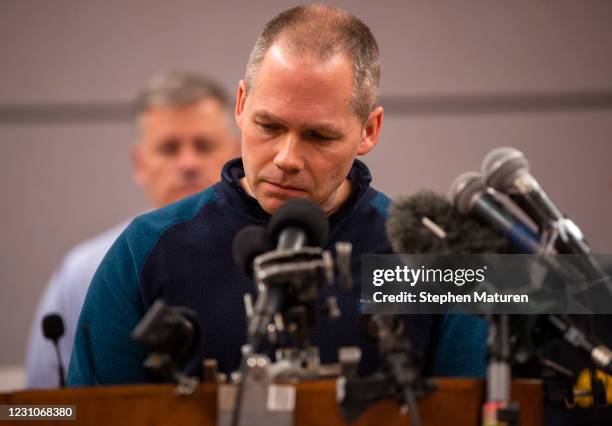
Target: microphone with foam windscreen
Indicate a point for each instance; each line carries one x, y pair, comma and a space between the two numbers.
53, 329
298, 223
427, 223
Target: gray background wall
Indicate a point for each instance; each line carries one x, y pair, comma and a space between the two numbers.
459, 78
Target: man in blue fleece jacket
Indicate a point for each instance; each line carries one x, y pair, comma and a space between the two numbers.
306, 108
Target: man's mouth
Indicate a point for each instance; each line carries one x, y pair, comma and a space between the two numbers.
281, 189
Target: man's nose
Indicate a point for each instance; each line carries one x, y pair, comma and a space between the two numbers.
189, 162
288, 157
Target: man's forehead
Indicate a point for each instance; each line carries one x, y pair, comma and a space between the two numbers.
207, 114
284, 68
202, 111
207, 105
287, 84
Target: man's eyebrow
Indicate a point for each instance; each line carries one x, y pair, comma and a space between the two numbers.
323, 127
266, 115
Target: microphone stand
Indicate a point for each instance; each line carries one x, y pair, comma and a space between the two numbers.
498, 409
399, 376
288, 282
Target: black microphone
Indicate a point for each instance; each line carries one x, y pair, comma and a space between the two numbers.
296, 224
172, 330
53, 329
470, 196
507, 170
250, 242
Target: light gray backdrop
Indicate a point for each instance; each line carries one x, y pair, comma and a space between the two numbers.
459, 78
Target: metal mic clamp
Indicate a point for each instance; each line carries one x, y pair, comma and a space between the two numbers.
298, 274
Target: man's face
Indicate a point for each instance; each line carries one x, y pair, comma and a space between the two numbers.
181, 150
299, 138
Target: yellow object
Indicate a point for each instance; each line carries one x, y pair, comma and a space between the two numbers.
583, 390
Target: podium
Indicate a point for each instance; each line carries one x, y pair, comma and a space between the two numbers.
455, 402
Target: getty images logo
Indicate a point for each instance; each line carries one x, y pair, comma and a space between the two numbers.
413, 276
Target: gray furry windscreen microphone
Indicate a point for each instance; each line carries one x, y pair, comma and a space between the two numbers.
427, 223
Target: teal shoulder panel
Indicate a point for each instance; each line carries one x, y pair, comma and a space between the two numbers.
103, 351
381, 203
145, 231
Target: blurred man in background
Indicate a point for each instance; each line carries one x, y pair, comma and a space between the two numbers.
184, 135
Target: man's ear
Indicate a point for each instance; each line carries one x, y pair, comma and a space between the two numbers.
240, 99
371, 131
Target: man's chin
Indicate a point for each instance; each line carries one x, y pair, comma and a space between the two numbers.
271, 204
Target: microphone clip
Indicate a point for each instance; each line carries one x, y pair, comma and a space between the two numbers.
305, 269
298, 275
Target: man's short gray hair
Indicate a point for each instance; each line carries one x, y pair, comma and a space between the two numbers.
177, 89
324, 31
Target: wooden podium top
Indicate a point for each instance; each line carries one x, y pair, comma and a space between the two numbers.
455, 402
